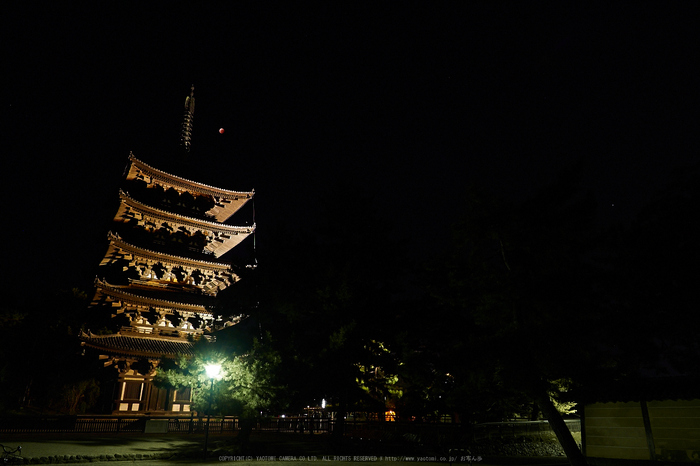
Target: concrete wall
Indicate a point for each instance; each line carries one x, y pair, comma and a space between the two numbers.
675, 426
617, 430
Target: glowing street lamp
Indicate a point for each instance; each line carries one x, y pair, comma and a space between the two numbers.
213, 372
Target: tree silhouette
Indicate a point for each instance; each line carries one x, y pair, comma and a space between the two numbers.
515, 301
52, 376
652, 290
326, 298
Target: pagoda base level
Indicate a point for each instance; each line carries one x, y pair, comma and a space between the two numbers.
136, 395
156, 414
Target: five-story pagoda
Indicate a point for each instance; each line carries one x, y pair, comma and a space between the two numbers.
160, 276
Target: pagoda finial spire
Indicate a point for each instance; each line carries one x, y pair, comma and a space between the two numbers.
186, 134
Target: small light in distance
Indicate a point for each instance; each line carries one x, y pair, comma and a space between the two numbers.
221, 130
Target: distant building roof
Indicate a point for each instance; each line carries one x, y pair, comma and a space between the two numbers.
643, 388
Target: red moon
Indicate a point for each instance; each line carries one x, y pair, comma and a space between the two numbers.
221, 130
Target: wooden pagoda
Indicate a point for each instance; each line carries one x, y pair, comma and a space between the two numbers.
160, 277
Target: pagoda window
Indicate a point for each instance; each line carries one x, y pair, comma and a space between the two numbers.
183, 394
132, 391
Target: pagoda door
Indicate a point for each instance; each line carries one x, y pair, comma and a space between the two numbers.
159, 399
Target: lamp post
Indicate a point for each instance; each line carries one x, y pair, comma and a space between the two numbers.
213, 372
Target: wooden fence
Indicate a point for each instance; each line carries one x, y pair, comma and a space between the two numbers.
434, 433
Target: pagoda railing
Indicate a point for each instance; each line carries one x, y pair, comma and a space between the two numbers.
114, 424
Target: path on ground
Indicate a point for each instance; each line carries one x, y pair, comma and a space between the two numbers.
45, 445
290, 449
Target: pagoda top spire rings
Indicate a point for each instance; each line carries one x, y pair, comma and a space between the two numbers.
188, 122
189, 101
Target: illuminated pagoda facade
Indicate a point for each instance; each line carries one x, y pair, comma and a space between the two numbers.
159, 279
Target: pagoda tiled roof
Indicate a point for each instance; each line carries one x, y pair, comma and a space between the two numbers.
226, 236
228, 202
224, 275
165, 257
138, 345
153, 298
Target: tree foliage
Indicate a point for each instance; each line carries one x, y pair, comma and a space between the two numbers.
52, 376
651, 288
327, 297
249, 381
514, 302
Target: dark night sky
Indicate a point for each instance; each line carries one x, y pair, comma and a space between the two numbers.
410, 101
